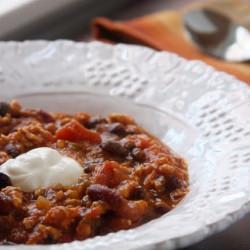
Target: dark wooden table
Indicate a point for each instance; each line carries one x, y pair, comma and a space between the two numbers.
236, 237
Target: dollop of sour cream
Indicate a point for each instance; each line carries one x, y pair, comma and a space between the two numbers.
41, 168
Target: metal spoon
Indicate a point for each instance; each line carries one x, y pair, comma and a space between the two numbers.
218, 35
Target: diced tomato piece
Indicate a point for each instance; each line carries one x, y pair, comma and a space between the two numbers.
74, 131
110, 174
104, 174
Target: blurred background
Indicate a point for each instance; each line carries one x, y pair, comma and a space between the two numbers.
57, 19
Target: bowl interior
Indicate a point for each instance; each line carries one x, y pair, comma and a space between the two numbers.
170, 129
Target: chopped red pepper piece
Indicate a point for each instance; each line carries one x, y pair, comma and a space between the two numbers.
74, 131
110, 174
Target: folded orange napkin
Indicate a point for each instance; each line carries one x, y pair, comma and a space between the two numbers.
165, 31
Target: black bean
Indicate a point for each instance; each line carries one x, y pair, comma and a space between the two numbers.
45, 117
161, 207
94, 121
11, 149
49, 240
88, 168
4, 180
129, 145
5, 204
4, 108
100, 192
173, 183
118, 129
114, 148
20, 213
138, 193
138, 154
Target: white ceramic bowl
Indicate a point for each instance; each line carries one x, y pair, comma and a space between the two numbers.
201, 113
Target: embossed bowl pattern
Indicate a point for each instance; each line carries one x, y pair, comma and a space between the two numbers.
202, 113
